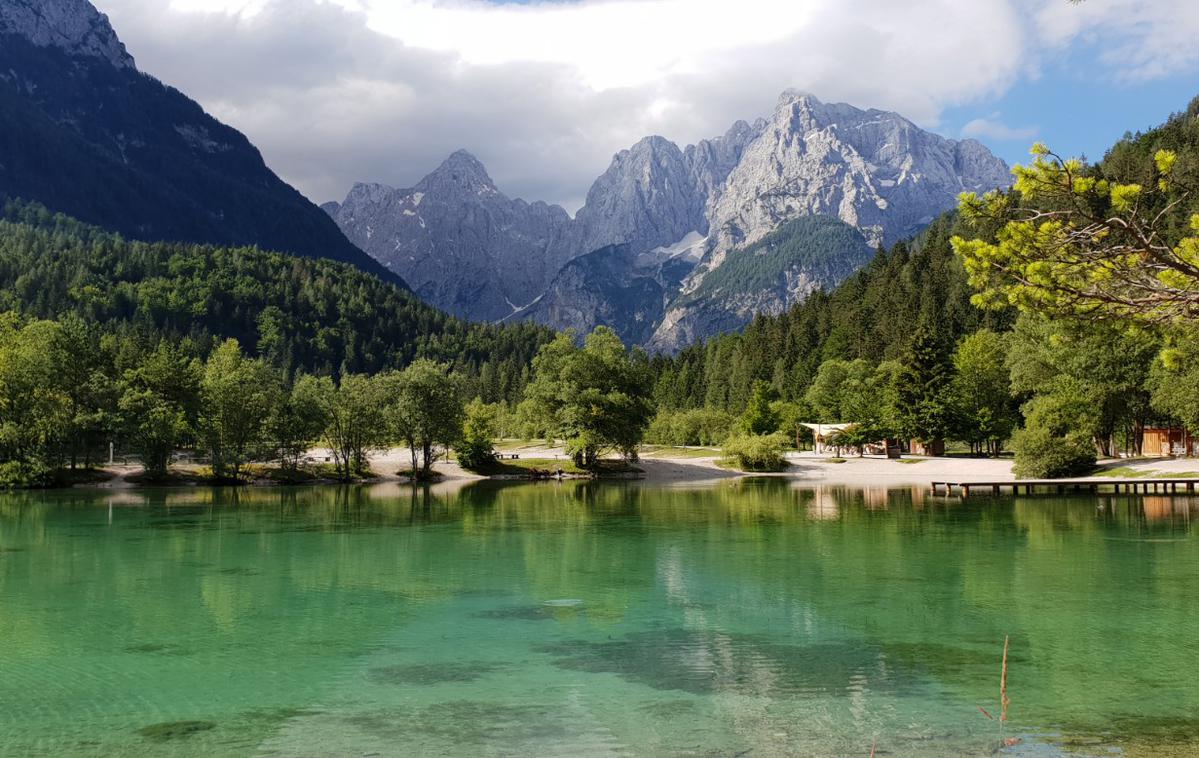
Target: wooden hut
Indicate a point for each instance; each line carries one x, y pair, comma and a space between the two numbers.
1171, 442
934, 448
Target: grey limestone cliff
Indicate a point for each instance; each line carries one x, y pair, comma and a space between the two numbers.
661, 220
459, 242
74, 26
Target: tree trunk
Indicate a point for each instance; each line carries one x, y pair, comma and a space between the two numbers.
427, 463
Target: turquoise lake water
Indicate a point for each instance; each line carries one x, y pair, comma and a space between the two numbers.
749, 619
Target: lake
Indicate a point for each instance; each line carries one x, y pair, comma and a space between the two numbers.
754, 618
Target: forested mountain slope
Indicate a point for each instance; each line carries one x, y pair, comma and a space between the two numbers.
318, 315
872, 315
83, 132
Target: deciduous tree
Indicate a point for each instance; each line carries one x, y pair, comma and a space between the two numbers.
159, 404
596, 397
238, 395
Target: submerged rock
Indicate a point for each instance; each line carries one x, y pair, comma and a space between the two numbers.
432, 673
174, 730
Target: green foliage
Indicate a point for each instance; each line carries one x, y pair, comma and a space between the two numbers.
34, 408
1057, 440
1105, 364
22, 474
824, 247
1041, 454
697, 427
792, 416
760, 417
425, 408
858, 436
595, 397
1120, 239
853, 391
985, 412
1174, 379
826, 394
922, 389
475, 450
238, 397
297, 314
299, 418
1066, 409
84, 371
757, 452
160, 405
357, 425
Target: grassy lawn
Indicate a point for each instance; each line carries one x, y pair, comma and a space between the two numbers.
515, 445
669, 451
1128, 472
545, 467
910, 461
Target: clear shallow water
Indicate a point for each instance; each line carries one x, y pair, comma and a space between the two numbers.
750, 619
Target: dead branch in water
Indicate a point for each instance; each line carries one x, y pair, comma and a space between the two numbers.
1004, 701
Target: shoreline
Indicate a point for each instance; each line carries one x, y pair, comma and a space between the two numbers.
660, 467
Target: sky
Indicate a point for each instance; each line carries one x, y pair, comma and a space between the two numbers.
545, 92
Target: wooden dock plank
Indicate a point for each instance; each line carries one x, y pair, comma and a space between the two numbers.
1059, 486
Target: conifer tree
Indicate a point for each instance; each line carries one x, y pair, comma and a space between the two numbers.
922, 389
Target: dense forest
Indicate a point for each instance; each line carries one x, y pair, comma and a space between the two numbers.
873, 315
823, 247
114, 147
313, 315
243, 356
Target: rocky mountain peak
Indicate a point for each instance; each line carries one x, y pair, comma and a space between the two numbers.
648, 146
469, 249
662, 219
74, 26
459, 173
795, 95
646, 198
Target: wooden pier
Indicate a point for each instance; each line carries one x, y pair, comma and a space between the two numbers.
1062, 486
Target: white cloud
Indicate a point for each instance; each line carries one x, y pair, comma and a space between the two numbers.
335, 91
992, 127
1137, 40
619, 43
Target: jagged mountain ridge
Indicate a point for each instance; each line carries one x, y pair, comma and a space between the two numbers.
459, 242
82, 131
73, 26
872, 170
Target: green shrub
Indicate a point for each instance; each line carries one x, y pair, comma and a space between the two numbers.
700, 426
1042, 455
757, 452
23, 474
475, 455
474, 449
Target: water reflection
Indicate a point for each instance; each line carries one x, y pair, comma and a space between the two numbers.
757, 613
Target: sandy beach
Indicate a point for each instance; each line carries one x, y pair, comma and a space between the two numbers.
696, 468
700, 466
